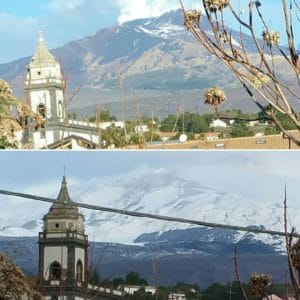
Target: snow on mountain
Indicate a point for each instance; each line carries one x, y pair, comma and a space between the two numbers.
164, 31
157, 191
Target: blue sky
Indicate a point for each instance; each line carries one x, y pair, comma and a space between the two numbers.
66, 20
258, 175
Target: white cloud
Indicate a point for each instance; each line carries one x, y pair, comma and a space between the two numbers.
137, 9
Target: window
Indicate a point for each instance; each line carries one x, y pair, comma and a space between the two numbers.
55, 271
79, 271
220, 145
60, 109
261, 142
41, 109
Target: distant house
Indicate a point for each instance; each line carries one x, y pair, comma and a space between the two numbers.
217, 123
141, 129
211, 136
132, 289
177, 296
253, 123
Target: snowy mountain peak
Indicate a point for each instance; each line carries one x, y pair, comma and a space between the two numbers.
144, 189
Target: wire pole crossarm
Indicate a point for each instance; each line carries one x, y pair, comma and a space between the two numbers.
155, 217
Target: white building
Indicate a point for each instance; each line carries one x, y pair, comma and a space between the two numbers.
132, 289
177, 296
44, 88
141, 129
217, 124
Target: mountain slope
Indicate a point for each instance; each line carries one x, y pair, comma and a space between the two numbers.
157, 191
181, 263
155, 56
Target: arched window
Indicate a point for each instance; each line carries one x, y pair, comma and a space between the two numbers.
60, 109
41, 109
55, 271
79, 271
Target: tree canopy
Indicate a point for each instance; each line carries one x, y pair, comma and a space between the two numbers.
12, 280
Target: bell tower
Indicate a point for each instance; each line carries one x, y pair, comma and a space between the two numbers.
44, 83
63, 250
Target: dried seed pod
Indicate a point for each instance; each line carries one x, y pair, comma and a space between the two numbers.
260, 80
192, 19
271, 38
259, 283
214, 5
215, 96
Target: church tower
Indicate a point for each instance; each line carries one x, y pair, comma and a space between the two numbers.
44, 87
44, 84
63, 250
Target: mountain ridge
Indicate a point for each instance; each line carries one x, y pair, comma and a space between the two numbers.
154, 191
156, 57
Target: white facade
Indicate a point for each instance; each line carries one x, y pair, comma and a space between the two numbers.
141, 129
44, 83
52, 254
218, 123
177, 296
132, 289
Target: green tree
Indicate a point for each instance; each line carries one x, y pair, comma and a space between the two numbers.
168, 123
6, 144
104, 116
95, 277
241, 130
286, 121
215, 291
269, 130
193, 123
114, 136
117, 282
134, 278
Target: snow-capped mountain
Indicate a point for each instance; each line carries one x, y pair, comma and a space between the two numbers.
157, 57
156, 191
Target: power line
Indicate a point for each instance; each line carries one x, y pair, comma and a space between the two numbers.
154, 216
